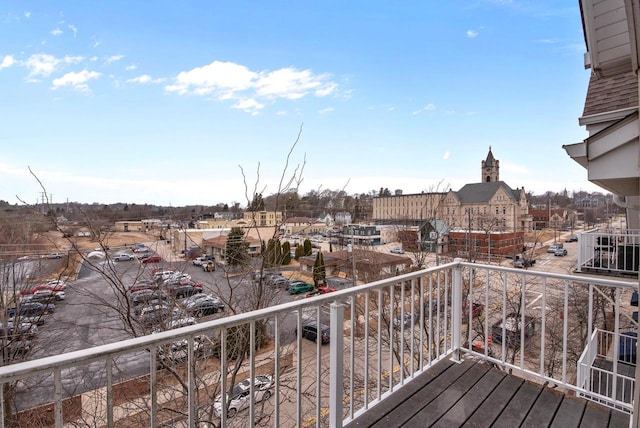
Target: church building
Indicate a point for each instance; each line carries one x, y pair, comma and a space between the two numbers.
488, 206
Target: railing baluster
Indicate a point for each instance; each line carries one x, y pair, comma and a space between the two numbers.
57, 396
252, 372
191, 378
336, 386
456, 316
109, 368
352, 344
153, 386
276, 373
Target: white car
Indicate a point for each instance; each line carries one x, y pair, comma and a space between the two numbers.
57, 255
397, 251
123, 257
57, 284
240, 395
164, 274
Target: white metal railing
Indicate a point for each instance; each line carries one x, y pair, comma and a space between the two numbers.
606, 368
382, 335
612, 251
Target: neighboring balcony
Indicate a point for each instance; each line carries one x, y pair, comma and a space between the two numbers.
417, 348
613, 252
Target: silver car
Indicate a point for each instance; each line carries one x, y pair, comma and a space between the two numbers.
240, 395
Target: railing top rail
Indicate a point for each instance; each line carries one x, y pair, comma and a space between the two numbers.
630, 284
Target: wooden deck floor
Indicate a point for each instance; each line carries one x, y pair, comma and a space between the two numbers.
475, 395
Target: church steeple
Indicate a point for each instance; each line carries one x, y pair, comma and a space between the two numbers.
490, 168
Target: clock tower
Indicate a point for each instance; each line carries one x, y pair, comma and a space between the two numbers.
490, 168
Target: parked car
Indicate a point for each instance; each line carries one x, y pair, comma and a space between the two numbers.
45, 296
182, 289
143, 284
151, 259
512, 332
240, 395
57, 284
174, 353
56, 255
19, 330
553, 247
397, 251
154, 314
406, 320
523, 263
572, 238
321, 290
31, 312
209, 266
14, 348
124, 257
207, 305
561, 252
311, 330
298, 287
476, 310
45, 286
145, 296
162, 274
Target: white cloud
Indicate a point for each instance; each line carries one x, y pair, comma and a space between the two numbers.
131, 67
217, 77
249, 105
446, 155
56, 32
290, 83
231, 81
114, 58
7, 61
428, 107
74, 29
27, 14
43, 64
472, 34
77, 81
326, 110
145, 78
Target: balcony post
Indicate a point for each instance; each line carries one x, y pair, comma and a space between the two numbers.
456, 310
336, 373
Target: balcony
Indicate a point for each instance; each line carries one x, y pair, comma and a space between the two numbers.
612, 252
431, 338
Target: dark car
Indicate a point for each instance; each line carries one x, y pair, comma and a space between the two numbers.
205, 306
155, 314
523, 263
145, 296
311, 330
572, 238
183, 288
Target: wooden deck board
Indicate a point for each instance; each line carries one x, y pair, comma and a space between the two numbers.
544, 409
569, 413
470, 394
516, 411
463, 409
495, 403
388, 405
417, 401
429, 414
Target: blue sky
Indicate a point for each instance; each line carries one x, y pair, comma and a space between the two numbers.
199, 102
